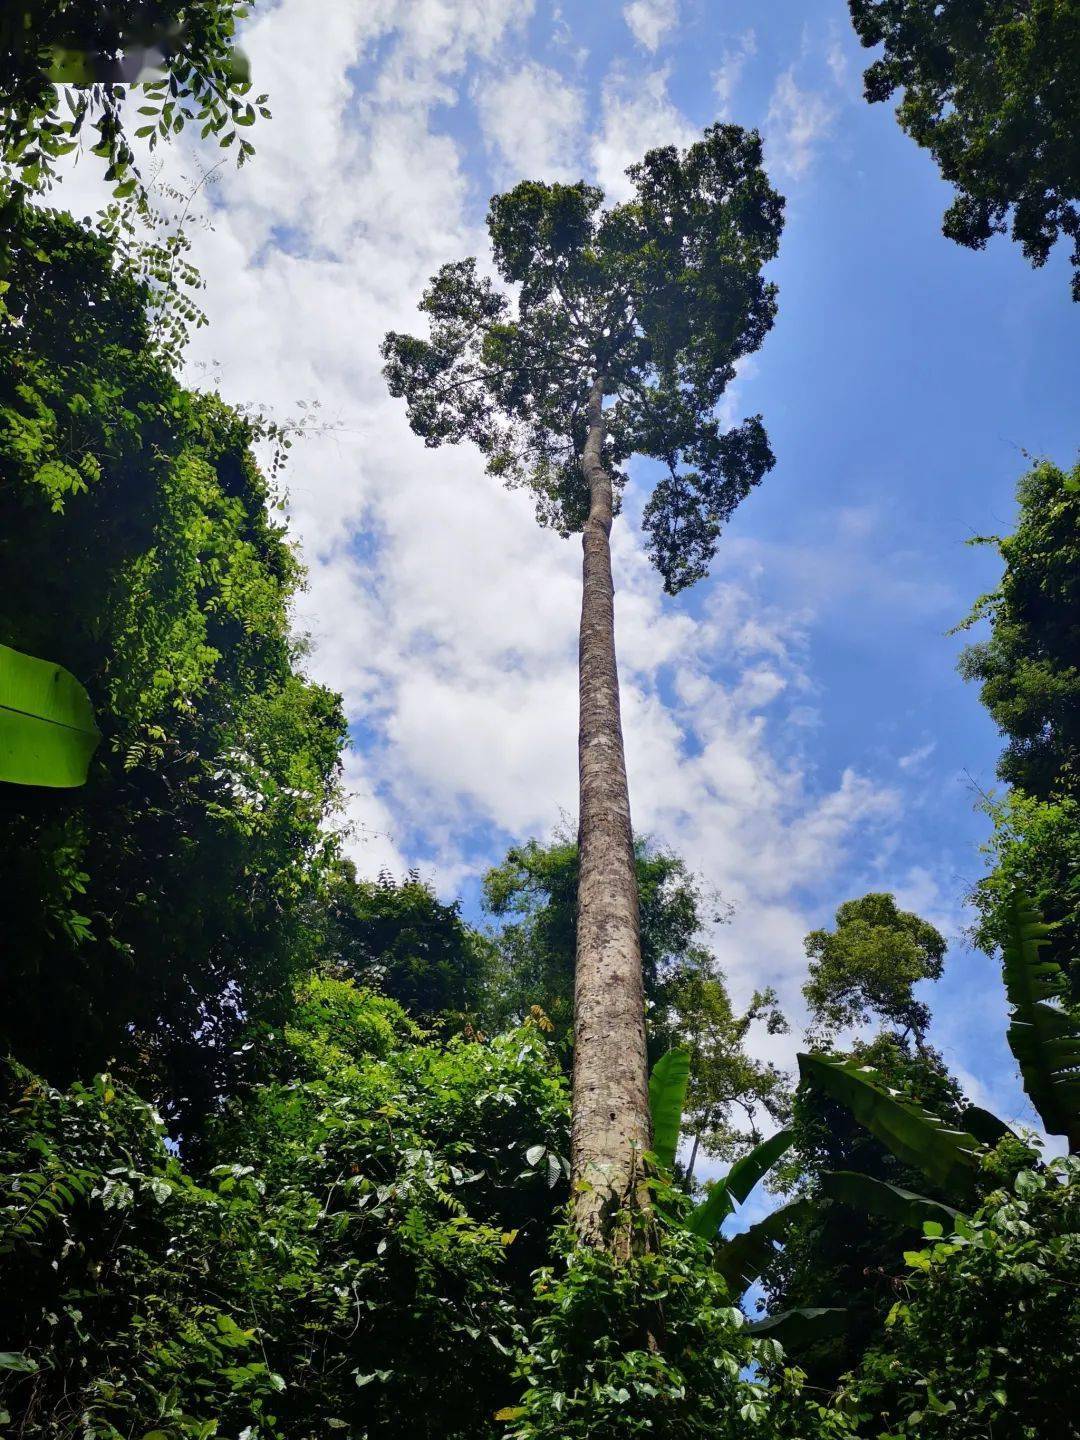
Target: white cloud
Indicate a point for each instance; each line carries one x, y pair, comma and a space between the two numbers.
726, 77
637, 115
797, 122
532, 119
650, 21
915, 759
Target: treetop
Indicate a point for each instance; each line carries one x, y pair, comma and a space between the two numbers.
653, 300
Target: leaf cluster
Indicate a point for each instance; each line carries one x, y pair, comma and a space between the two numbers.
990, 88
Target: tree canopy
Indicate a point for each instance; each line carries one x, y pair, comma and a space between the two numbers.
990, 88
660, 297
67, 69
869, 965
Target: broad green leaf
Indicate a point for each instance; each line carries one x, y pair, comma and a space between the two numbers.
667, 1096
9, 1360
1043, 1038
47, 729
803, 1326
736, 1185
742, 1259
984, 1125
948, 1157
863, 1192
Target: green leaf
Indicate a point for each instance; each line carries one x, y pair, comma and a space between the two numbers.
984, 1125
736, 1185
742, 1259
803, 1326
47, 729
9, 1360
879, 1197
667, 1097
948, 1157
1043, 1038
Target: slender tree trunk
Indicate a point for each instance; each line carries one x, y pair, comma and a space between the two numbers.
611, 1123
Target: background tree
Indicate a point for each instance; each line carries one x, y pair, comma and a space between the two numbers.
648, 305
151, 913
865, 969
1028, 673
400, 939
534, 893
990, 88
869, 965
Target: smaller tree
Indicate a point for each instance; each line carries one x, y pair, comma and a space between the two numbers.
399, 938
992, 90
869, 965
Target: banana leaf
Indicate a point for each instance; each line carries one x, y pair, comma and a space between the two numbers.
742, 1259
1044, 1038
667, 1097
984, 1125
948, 1157
736, 1185
47, 729
863, 1192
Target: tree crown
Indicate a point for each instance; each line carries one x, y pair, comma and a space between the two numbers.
869, 964
654, 300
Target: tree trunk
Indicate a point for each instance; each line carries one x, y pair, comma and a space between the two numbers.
611, 1123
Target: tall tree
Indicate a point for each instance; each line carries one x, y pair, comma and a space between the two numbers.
646, 305
992, 89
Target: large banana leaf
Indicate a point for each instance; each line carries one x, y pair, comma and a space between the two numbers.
798, 1328
948, 1157
741, 1259
736, 1185
987, 1128
862, 1192
1043, 1038
47, 729
667, 1097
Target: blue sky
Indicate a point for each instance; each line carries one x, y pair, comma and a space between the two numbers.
795, 725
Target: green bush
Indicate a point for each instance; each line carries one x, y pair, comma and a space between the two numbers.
355, 1258
984, 1339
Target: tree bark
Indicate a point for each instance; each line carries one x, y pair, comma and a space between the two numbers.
611, 1122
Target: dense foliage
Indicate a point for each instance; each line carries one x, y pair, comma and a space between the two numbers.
354, 1255
990, 88
1028, 670
147, 914
833, 1254
981, 1338
400, 938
